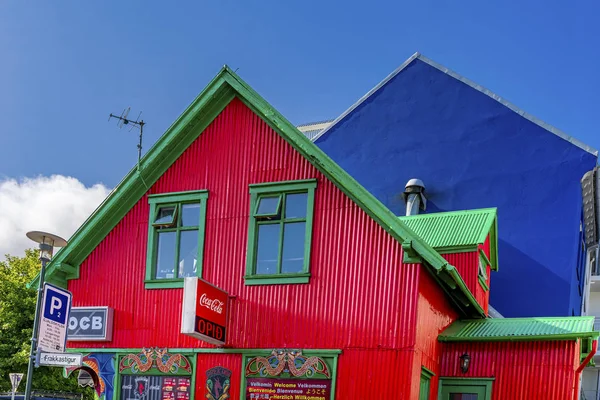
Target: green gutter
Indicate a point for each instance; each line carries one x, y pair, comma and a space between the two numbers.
564, 336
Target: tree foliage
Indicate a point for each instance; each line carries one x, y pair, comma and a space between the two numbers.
17, 310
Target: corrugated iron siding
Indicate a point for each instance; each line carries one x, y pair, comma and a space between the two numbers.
434, 314
467, 265
360, 294
522, 370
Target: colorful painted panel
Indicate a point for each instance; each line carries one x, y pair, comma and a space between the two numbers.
134, 387
218, 382
155, 358
102, 365
282, 389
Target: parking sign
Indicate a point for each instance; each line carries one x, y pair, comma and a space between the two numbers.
52, 335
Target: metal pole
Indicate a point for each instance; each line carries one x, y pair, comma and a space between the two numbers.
32, 352
13, 395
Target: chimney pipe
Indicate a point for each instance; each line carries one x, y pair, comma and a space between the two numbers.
414, 196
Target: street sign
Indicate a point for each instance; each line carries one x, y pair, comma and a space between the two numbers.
90, 324
60, 359
56, 305
15, 380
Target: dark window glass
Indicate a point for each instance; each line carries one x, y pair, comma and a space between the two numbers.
268, 206
293, 247
295, 205
267, 250
165, 258
188, 251
463, 396
165, 216
190, 214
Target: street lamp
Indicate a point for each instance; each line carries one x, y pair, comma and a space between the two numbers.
47, 243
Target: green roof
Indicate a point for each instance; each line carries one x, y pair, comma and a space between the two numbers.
457, 230
513, 329
181, 134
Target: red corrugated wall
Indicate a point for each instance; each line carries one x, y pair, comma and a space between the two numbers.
522, 370
361, 298
434, 314
467, 265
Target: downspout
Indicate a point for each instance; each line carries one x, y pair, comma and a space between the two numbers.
589, 356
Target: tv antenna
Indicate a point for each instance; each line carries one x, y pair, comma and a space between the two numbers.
137, 123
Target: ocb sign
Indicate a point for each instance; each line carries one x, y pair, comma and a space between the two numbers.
90, 324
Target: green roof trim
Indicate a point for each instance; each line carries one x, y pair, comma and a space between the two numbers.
180, 135
456, 231
520, 329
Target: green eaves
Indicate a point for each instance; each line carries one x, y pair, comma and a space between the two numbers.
213, 99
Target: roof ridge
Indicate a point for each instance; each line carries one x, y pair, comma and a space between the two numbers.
472, 84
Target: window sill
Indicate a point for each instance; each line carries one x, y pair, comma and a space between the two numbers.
483, 284
164, 284
253, 280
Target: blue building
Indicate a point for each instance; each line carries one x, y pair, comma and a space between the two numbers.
472, 149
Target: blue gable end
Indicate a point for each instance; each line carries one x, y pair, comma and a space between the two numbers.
472, 151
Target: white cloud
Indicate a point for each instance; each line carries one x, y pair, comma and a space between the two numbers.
57, 204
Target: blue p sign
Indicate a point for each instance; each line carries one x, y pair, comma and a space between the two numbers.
55, 306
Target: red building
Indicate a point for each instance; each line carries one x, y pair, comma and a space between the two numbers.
329, 295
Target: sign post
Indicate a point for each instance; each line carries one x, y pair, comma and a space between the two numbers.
204, 313
52, 335
15, 380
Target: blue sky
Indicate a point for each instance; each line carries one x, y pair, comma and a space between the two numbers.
66, 65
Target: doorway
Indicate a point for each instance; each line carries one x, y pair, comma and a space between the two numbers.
465, 388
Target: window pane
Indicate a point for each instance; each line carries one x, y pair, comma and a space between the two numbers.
165, 258
188, 252
457, 396
295, 205
190, 214
293, 247
165, 216
267, 249
268, 206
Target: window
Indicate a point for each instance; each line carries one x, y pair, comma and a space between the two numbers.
279, 232
482, 275
309, 374
175, 238
466, 388
425, 386
154, 373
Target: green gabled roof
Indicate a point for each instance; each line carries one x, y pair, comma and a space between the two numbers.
180, 135
457, 230
514, 329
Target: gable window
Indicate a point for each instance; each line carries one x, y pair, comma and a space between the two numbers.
175, 238
482, 273
280, 232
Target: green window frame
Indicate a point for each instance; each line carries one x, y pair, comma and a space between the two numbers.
268, 206
425, 383
482, 265
166, 216
482, 387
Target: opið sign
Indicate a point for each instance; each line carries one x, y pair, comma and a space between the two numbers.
204, 313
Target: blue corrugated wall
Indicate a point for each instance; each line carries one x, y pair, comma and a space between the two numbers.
472, 152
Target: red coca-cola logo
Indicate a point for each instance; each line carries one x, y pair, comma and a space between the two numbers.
215, 305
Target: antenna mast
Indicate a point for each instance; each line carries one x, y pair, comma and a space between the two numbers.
137, 123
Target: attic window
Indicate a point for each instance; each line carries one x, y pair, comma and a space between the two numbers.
482, 273
280, 232
175, 238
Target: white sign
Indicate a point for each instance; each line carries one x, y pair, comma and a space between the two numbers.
15, 380
90, 324
60, 359
52, 336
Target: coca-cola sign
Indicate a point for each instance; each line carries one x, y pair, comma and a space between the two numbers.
204, 313
215, 305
